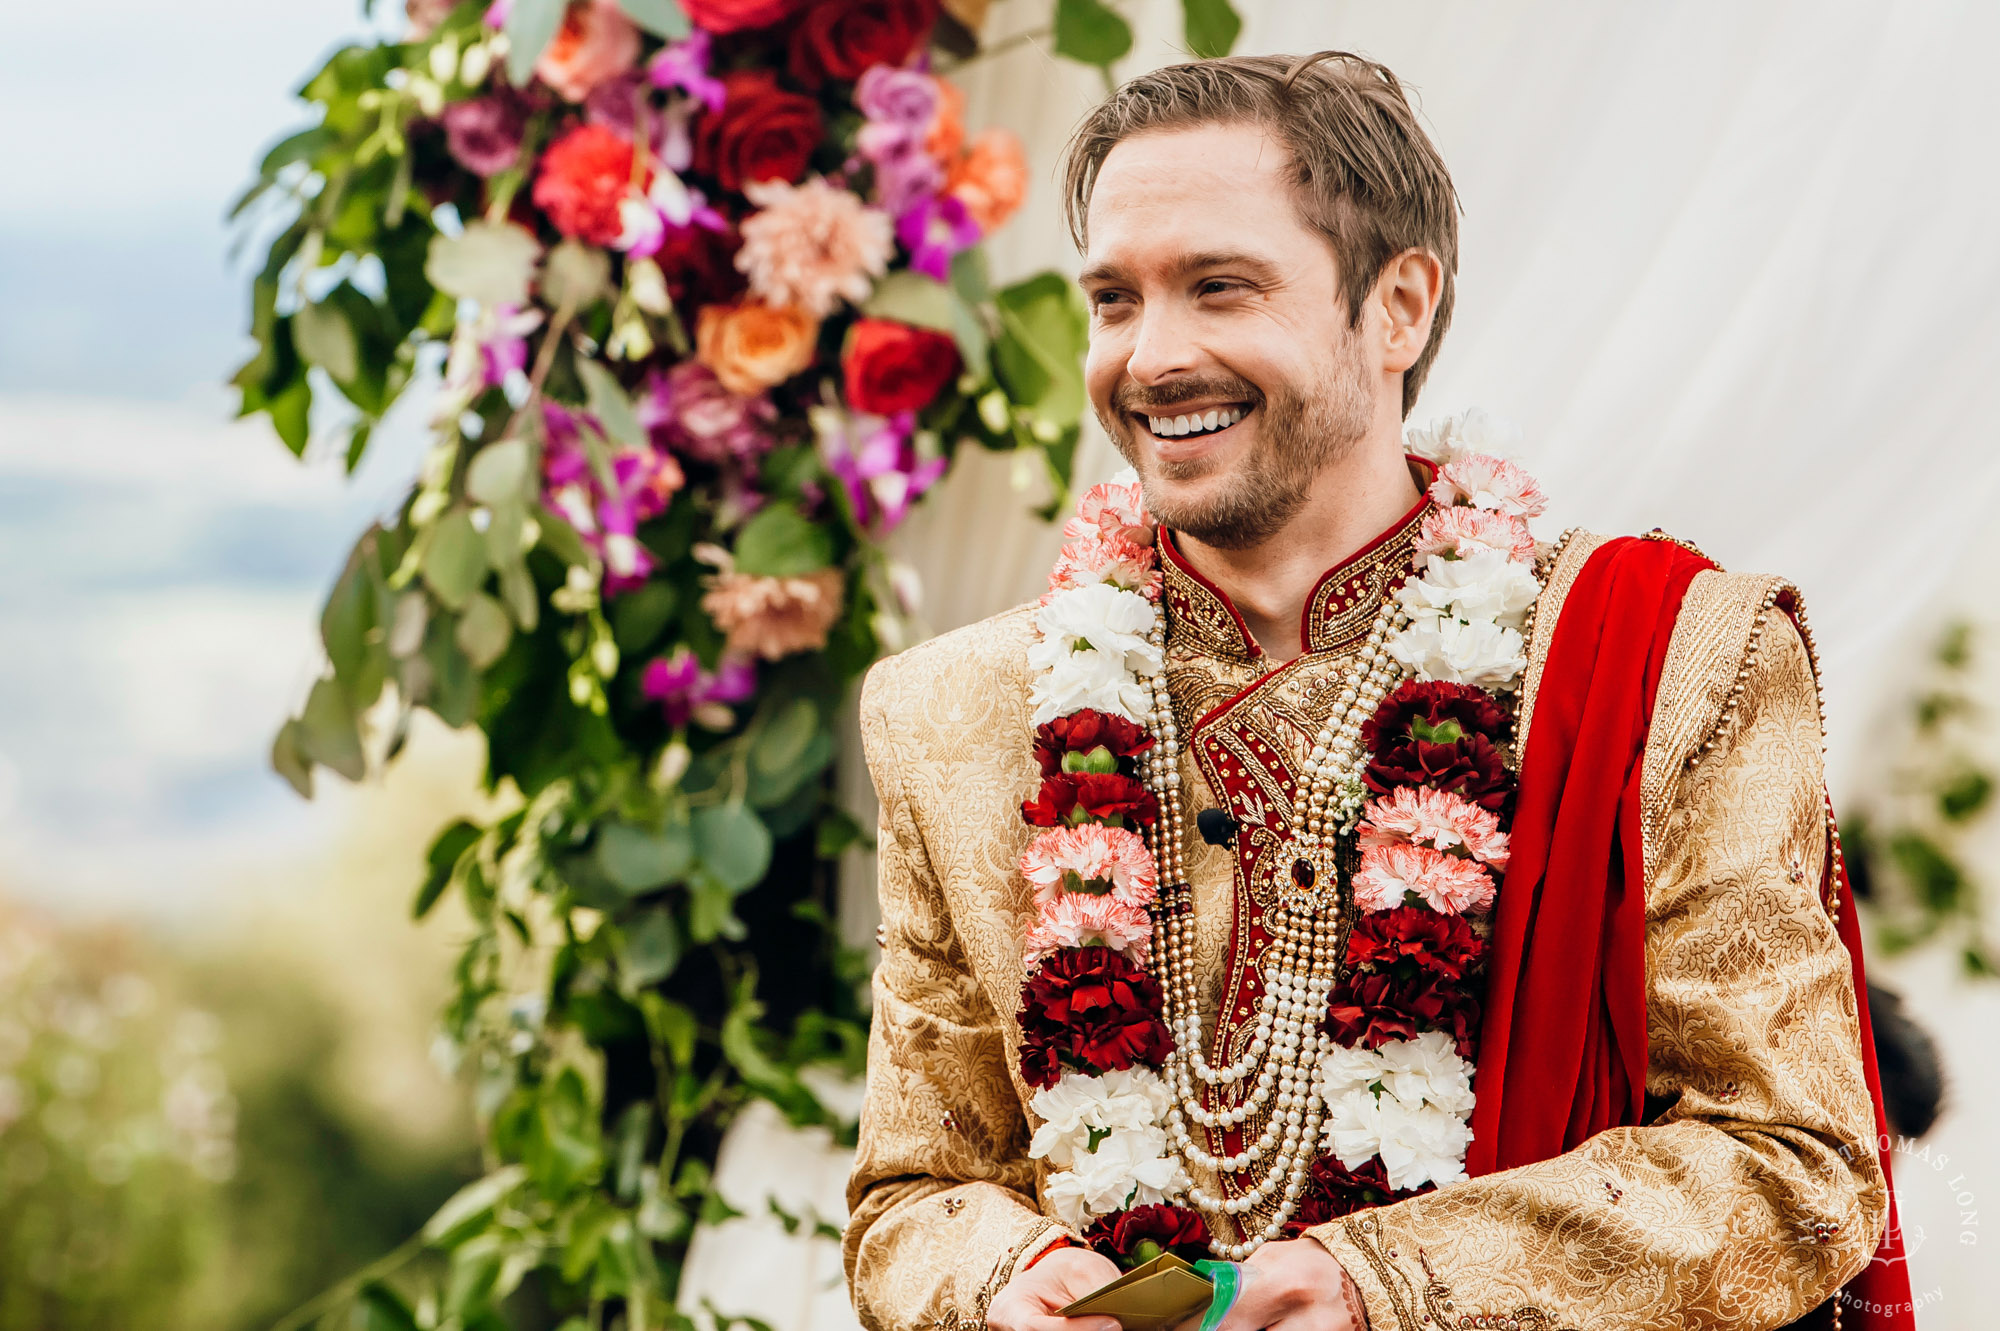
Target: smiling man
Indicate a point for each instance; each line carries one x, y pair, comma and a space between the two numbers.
1427, 926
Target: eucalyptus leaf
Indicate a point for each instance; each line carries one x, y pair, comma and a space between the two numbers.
288, 758
781, 542
325, 338
470, 1203
638, 859
1211, 27
574, 275
1090, 31
662, 18
490, 262
499, 472
610, 405
455, 561
783, 739
531, 26
1045, 334
733, 844
651, 948
441, 862
332, 737
483, 631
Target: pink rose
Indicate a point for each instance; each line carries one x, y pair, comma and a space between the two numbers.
596, 44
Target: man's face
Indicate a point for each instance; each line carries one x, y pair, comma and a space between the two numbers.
1211, 301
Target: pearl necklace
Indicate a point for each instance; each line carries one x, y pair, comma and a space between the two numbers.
1304, 963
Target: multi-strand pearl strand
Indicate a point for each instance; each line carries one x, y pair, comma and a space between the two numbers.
1285, 1050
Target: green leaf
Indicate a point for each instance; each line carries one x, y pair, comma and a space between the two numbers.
455, 1220
671, 1025
574, 275
531, 25
291, 413
733, 843
349, 626
783, 739
300, 147
455, 562
638, 859
650, 949
490, 262
560, 539
483, 631
1045, 332
357, 443
1964, 795
564, 1142
740, 1047
324, 338
499, 472
610, 405
781, 542
638, 616
662, 18
332, 737
911, 298
288, 758
1088, 31
1211, 27
383, 1310
440, 862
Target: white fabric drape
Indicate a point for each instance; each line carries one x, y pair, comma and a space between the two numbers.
1732, 266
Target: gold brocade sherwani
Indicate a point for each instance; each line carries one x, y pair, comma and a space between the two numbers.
1713, 1214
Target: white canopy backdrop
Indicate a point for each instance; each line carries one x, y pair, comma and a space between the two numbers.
1734, 268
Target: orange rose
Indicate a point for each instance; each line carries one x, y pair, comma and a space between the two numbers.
753, 347
596, 44
991, 179
947, 133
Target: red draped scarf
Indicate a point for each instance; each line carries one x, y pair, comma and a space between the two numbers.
1566, 987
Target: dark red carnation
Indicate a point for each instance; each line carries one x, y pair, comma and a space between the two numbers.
1370, 1010
585, 174
1471, 768
1410, 940
737, 15
700, 268
1106, 796
1132, 1238
890, 367
1080, 732
1091, 1009
838, 39
1333, 1190
761, 133
1433, 711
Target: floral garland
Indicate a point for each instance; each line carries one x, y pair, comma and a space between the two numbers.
1432, 793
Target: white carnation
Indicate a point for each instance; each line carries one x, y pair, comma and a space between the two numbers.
1133, 1099
1093, 652
1485, 585
1449, 438
1087, 679
1416, 1120
1130, 1167
1427, 1070
1485, 655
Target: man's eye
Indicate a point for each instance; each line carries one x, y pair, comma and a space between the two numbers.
1215, 286
1099, 299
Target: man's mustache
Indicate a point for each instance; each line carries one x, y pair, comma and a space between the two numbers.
1137, 398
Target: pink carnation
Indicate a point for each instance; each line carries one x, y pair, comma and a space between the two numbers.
1445, 882
1116, 559
1463, 532
1435, 818
812, 245
595, 44
1110, 510
1084, 919
1484, 481
1113, 859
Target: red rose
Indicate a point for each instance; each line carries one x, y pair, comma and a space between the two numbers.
1105, 796
1410, 940
891, 367
838, 39
1428, 709
585, 175
1122, 1235
1093, 1010
736, 15
1370, 1010
1470, 767
1081, 732
700, 267
761, 133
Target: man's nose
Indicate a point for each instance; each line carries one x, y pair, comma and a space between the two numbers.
1163, 347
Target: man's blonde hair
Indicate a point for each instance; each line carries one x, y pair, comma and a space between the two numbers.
1368, 177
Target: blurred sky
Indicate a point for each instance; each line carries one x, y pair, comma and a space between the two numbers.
160, 566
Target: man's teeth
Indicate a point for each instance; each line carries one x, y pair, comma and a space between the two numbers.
1201, 422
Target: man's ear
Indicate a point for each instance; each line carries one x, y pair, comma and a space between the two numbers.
1406, 295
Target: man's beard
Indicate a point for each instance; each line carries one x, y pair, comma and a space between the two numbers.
1299, 436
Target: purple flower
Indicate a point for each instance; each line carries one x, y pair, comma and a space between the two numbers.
899, 96
484, 134
689, 411
643, 482
876, 461
905, 175
684, 65
684, 690
935, 230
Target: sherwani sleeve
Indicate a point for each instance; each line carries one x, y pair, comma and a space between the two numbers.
1755, 1192
941, 1200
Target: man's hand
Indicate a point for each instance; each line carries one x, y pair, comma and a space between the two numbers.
1030, 1300
1294, 1286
